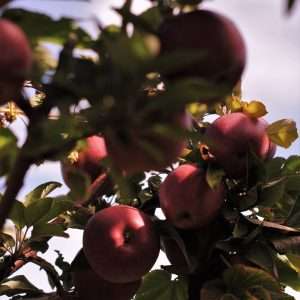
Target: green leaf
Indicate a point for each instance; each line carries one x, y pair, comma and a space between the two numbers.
272, 192
260, 254
34, 212
240, 278
48, 29
8, 150
213, 290
65, 277
41, 246
18, 285
152, 16
293, 183
58, 206
40, 192
78, 183
287, 275
273, 167
295, 261
287, 244
260, 293
48, 230
159, 286
292, 165
230, 297
17, 214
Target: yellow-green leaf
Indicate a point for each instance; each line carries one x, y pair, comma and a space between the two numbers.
234, 104
254, 109
283, 132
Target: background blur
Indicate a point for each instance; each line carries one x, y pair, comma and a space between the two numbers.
272, 75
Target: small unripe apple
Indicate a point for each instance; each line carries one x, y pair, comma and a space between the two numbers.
142, 150
15, 60
232, 138
90, 286
187, 200
87, 160
212, 35
121, 243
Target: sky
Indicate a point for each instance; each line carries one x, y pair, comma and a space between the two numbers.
272, 75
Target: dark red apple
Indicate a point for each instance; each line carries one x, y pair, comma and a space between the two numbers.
142, 150
210, 34
232, 138
86, 160
90, 286
187, 200
15, 60
121, 243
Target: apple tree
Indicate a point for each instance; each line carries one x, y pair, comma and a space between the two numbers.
146, 169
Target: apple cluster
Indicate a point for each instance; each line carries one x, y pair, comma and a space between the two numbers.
121, 243
15, 60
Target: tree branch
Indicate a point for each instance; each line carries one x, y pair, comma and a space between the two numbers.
14, 184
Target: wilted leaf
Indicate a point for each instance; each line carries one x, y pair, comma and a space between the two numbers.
283, 132
18, 285
214, 177
234, 104
7, 240
197, 110
254, 109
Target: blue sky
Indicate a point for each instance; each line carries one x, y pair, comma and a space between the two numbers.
272, 74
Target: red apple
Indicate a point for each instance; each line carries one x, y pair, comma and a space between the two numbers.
86, 160
187, 200
121, 243
15, 60
212, 35
142, 150
90, 286
232, 137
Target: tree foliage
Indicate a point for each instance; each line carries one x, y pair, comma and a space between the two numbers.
251, 248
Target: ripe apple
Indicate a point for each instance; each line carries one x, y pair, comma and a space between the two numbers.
212, 35
142, 150
86, 160
121, 243
232, 137
90, 286
15, 60
187, 200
